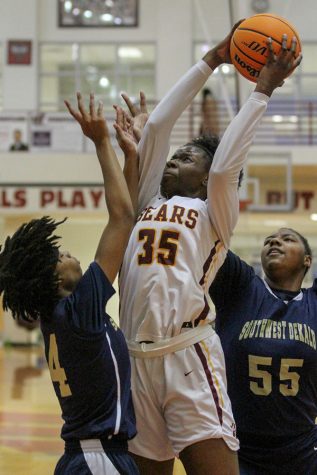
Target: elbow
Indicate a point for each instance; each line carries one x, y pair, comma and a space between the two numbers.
219, 175
122, 213
123, 222
127, 223
128, 215
155, 124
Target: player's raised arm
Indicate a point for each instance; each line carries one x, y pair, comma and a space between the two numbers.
231, 154
124, 127
154, 143
115, 236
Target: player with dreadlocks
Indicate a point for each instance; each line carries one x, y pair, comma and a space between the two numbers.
86, 354
28, 259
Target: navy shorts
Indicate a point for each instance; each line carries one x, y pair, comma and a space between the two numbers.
95, 457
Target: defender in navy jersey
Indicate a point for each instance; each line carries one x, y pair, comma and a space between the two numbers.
268, 331
86, 353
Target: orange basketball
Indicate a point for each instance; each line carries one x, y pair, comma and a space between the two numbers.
248, 48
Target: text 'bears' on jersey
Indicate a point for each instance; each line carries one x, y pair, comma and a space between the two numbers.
178, 214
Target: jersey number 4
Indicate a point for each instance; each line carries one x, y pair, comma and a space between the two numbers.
58, 374
164, 250
263, 387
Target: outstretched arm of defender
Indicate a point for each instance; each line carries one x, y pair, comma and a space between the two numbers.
115, 236
128, 144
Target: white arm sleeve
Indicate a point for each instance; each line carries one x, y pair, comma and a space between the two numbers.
154, 144
229, 159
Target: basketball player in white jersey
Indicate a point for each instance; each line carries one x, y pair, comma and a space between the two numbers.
178, 244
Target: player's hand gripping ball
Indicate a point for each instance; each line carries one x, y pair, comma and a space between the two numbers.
249, 49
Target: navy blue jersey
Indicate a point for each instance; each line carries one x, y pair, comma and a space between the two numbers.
271, 363
89, 363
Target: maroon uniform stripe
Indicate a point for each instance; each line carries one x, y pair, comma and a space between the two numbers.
208, 261
204, 362
203, 314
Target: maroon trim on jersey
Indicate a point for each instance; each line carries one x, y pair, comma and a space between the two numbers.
208, 261
203, 314
206, 267
204, 362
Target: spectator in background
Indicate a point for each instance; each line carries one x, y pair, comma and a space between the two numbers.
209, 114
18, 145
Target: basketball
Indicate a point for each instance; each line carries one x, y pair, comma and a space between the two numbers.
248, 48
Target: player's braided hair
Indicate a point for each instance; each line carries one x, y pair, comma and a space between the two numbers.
209, 143
27, 270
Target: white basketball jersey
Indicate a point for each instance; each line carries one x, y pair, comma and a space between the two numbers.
171, 259
178, 245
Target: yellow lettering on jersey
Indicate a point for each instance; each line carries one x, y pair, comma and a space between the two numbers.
291, 388
268, 329
274, 328
280, 330
58, 374
263, 325
258, 325
244, 330
295, 328
252, 328
306, 331
313, 339
263, 385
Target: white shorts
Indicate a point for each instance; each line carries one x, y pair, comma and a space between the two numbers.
181, 398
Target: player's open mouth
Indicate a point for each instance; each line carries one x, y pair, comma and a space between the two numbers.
274, 251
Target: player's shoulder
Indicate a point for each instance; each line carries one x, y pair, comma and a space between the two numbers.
311, 290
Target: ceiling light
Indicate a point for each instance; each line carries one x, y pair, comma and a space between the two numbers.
76, 11
277, 118
129, 52
109, 3
293, 119
117, 20
104, 81
68, 6
313, 217
107, 17
87, 13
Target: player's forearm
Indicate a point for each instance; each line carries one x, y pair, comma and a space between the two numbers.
116, 191
179, 97
131, 175
229, 159
232, 151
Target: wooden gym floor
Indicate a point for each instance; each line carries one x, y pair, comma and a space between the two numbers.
30, 419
